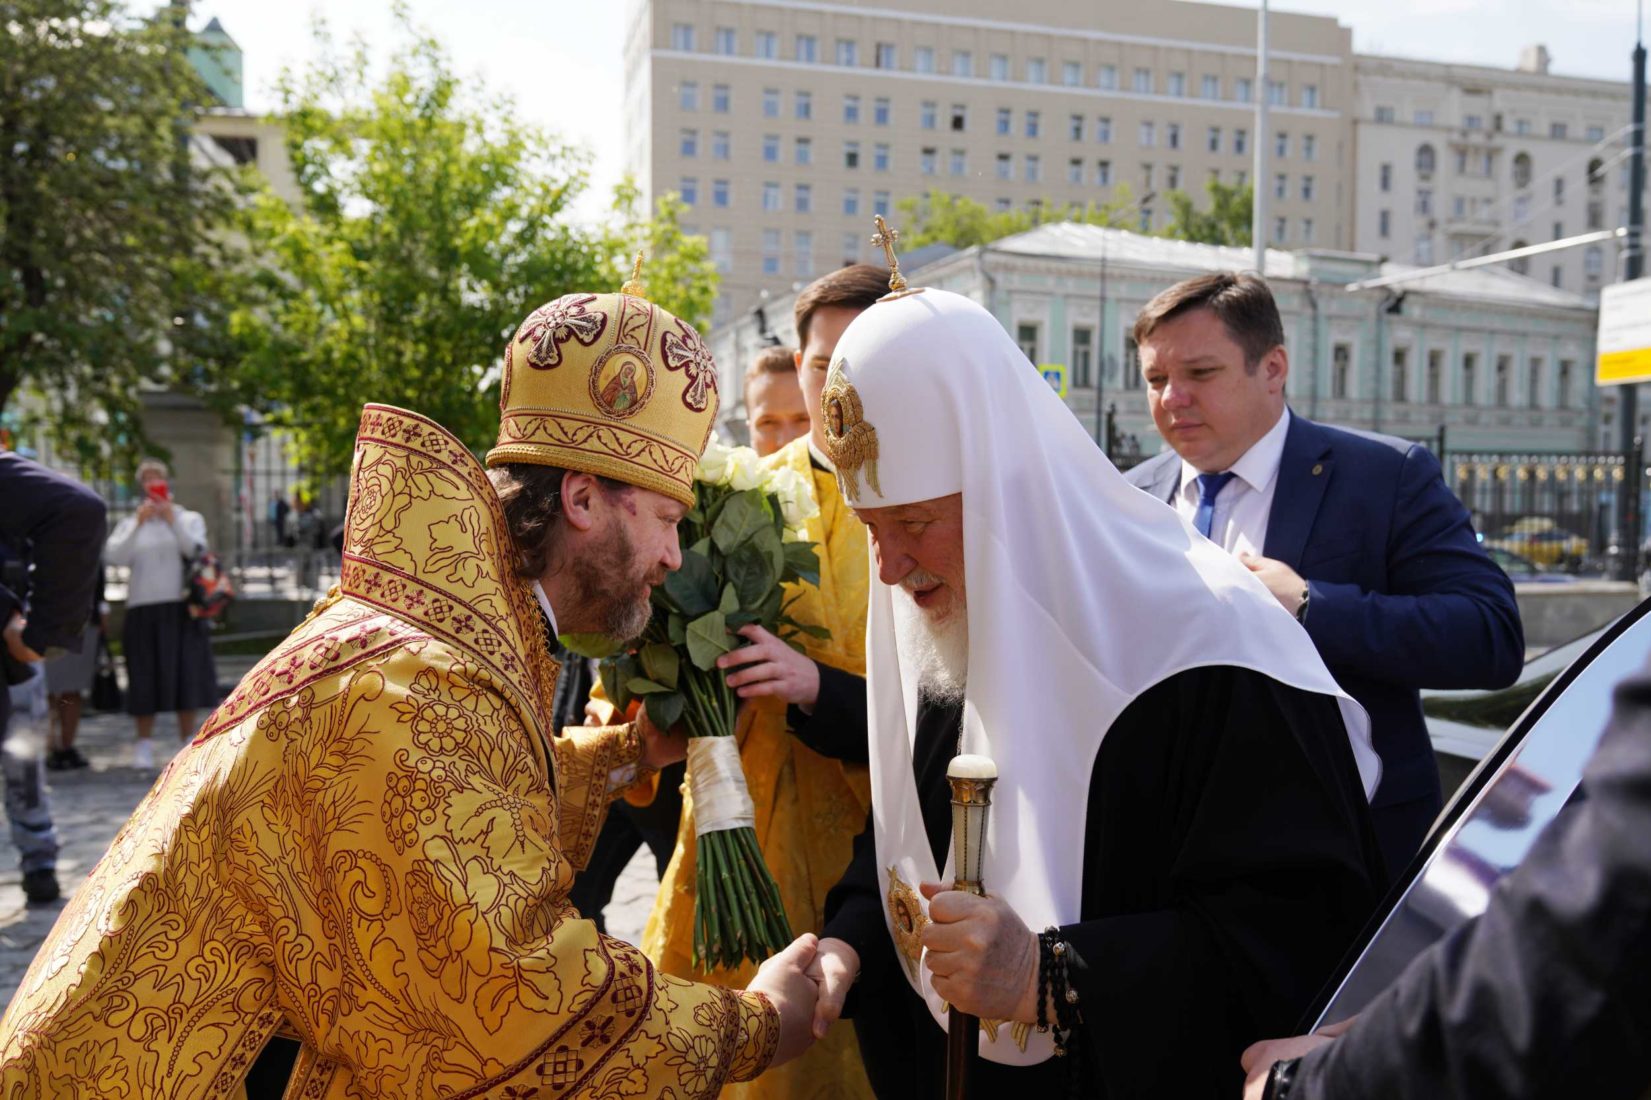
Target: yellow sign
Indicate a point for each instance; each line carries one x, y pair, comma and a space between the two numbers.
1055, 375
1624, 347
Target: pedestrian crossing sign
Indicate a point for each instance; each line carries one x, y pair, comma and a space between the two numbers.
1055, 375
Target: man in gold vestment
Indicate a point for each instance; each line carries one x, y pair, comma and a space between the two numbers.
802, 728
369, 845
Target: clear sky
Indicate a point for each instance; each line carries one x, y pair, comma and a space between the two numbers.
563, 61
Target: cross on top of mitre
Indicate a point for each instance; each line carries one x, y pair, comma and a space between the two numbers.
885, 238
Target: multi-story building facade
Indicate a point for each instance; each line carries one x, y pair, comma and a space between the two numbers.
1460, 160
786, 124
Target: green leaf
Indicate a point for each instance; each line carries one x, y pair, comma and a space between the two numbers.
641, 685
708, 639
676, 630
802, 562
739, 519
751, 574
595, 646
665, 711
810, 629
660, 662
613, 685
693, 588
730, 600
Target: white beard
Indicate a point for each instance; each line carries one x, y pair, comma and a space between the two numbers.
939, 651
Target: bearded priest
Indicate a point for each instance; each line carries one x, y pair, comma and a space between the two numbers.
1179, 845
368, 848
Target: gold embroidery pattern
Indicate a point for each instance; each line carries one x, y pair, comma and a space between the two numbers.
683, 350
1018, 1031
907, 918
850, 441
555, 323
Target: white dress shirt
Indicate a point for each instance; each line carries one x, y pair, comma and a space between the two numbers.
1239, 520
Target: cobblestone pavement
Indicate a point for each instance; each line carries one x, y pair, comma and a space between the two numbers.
91, 805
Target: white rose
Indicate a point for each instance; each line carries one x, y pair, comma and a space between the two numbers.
796, 496
744, 469
713, 464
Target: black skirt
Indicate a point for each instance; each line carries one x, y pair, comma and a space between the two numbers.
168, 661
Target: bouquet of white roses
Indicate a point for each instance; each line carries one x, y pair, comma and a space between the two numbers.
741, 543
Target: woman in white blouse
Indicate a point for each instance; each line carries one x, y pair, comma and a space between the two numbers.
168, 652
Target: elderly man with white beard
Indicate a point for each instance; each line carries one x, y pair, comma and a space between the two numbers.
1179, 846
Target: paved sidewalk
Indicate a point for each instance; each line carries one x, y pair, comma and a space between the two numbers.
91, 805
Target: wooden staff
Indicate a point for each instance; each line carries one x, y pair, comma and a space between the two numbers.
971, 779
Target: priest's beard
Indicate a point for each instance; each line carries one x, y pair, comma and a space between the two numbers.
938, 649
614, 586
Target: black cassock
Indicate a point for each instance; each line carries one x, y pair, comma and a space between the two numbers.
1228, 862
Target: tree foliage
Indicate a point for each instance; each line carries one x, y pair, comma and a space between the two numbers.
943, 218
112, 231
431, 220
1225, 218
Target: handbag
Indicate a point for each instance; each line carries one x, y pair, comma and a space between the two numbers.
210, 591
106, 693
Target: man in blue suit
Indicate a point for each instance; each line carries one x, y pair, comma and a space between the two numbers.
1356, 534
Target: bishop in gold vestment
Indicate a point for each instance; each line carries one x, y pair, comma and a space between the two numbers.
369, 846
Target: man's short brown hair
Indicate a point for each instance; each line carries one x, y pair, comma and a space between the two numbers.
857, 286
1242, 301
778, 359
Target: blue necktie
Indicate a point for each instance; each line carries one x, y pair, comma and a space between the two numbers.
1209, 487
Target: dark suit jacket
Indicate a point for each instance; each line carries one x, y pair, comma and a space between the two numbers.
1401, 594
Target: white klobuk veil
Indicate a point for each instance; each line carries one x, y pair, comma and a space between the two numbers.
1082, 592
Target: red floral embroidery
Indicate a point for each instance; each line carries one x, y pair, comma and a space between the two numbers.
685, 351
554, 324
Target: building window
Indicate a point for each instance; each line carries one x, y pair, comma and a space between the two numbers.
1241, 142
1341, 369
1148, 136
1401, 375
1307, 230
1074, 127
1005, 167
688, 190
688, 145
1142, 81
1435, 376
719, 193
1385, 175
687, 95
1002, 206
1385, 114
1310, 95
1131, 379
1562, 398
959, 163
1281, 186
1306, 188
808, 48
998, 66
1106, 78
1593, 263
770, 103
1103, 173
682, 36
1172, 135
768, 45
803, 248
1036, 71
851, 202
771, 197
1172, 178
1281, 230
1074, 170
1146, 177
1384, 224
1243, 89
852, 243
848, 52
720, 99
1521, 209
1533, 382
1559, 190
727, 41
1473, 122
960, 118
1083, 357
1177, 84
851, 109
1213, 139
880, 203
928, 160
1277, 94
1426, 161
1424, 201
1005, 121
1522, 265
1071, 73
1558, 131
1103, 130
1032, 123
851, 154
770, 251
880, 111
880, 157
1034, 168
1522, 126
804, 106
1210, 87
963, 63
1596, 134
1026, 336
885, 56
771, 148
922, 59
1424, 250
722, 146
803, 198
1470, 370
1281, 145
1504, 380
803, 151
722, 249
1309, 147
928, 114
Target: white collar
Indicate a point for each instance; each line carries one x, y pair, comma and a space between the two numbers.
819, 456
544, 605
1256, 467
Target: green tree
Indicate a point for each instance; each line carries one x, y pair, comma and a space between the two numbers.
431, 220
941, 217
111, 234
1224, 220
